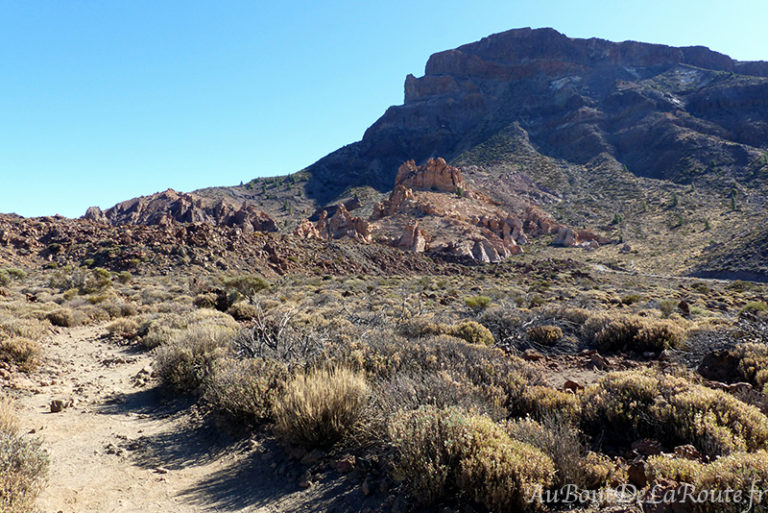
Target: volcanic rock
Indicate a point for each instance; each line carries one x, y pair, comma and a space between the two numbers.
171, 207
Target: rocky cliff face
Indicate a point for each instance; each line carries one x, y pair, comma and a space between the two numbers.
661, 111
170, 207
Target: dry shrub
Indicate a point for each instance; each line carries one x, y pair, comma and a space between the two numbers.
320, 407
20, 351
123, 328
632, 332
467, 330
753, 364
564, 443
26, 328
739, 472
9, 424
472, 332
186, 363
682, 470
243, 311
499, 377
246, 389
23, 465
65, 317
503, 320
116, 309
447, 453
673, 410
542, 401
205, 300
548, 335
160, 330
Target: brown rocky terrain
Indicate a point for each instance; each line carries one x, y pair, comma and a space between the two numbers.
170, 207
56, 242
662, 147
432, 210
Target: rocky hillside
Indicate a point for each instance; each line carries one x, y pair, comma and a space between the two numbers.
663, 112
664, 148
169, 207
432, 210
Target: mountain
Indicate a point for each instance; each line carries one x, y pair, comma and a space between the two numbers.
665, 148
662, 112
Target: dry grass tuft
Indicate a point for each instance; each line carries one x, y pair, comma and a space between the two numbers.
320, 407
20, 351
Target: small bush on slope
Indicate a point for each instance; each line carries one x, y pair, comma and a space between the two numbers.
675, 411
447, 453
246, 389
320, 407
23, 465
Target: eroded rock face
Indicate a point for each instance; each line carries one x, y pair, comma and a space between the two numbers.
171, 207
341, 225
435, 175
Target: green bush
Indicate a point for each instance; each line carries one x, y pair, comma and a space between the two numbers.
472, 332
447, 453
673, 410
754, 307
477, 303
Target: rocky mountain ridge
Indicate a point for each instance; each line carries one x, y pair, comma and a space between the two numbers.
662, 111
171, 207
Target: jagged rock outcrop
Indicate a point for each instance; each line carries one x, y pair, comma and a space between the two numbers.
568, 237
431, 211
413, 239
171, 207
435, 175
340, 225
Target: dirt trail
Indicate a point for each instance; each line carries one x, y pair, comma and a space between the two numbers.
119, 447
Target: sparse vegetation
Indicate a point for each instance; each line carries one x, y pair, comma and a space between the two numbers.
320, 407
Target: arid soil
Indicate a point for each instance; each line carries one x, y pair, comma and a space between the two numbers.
123, 447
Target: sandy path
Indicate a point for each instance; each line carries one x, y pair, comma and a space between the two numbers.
120, 447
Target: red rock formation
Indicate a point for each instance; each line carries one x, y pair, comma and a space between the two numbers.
413, 239
171, 207
436, 175
342, 224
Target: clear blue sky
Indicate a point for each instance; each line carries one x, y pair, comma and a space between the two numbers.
104, 100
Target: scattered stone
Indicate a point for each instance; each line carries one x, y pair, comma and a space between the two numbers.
688, 452
636, 473
572, 385
532, 355
58, 405
345, 464
647, 447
